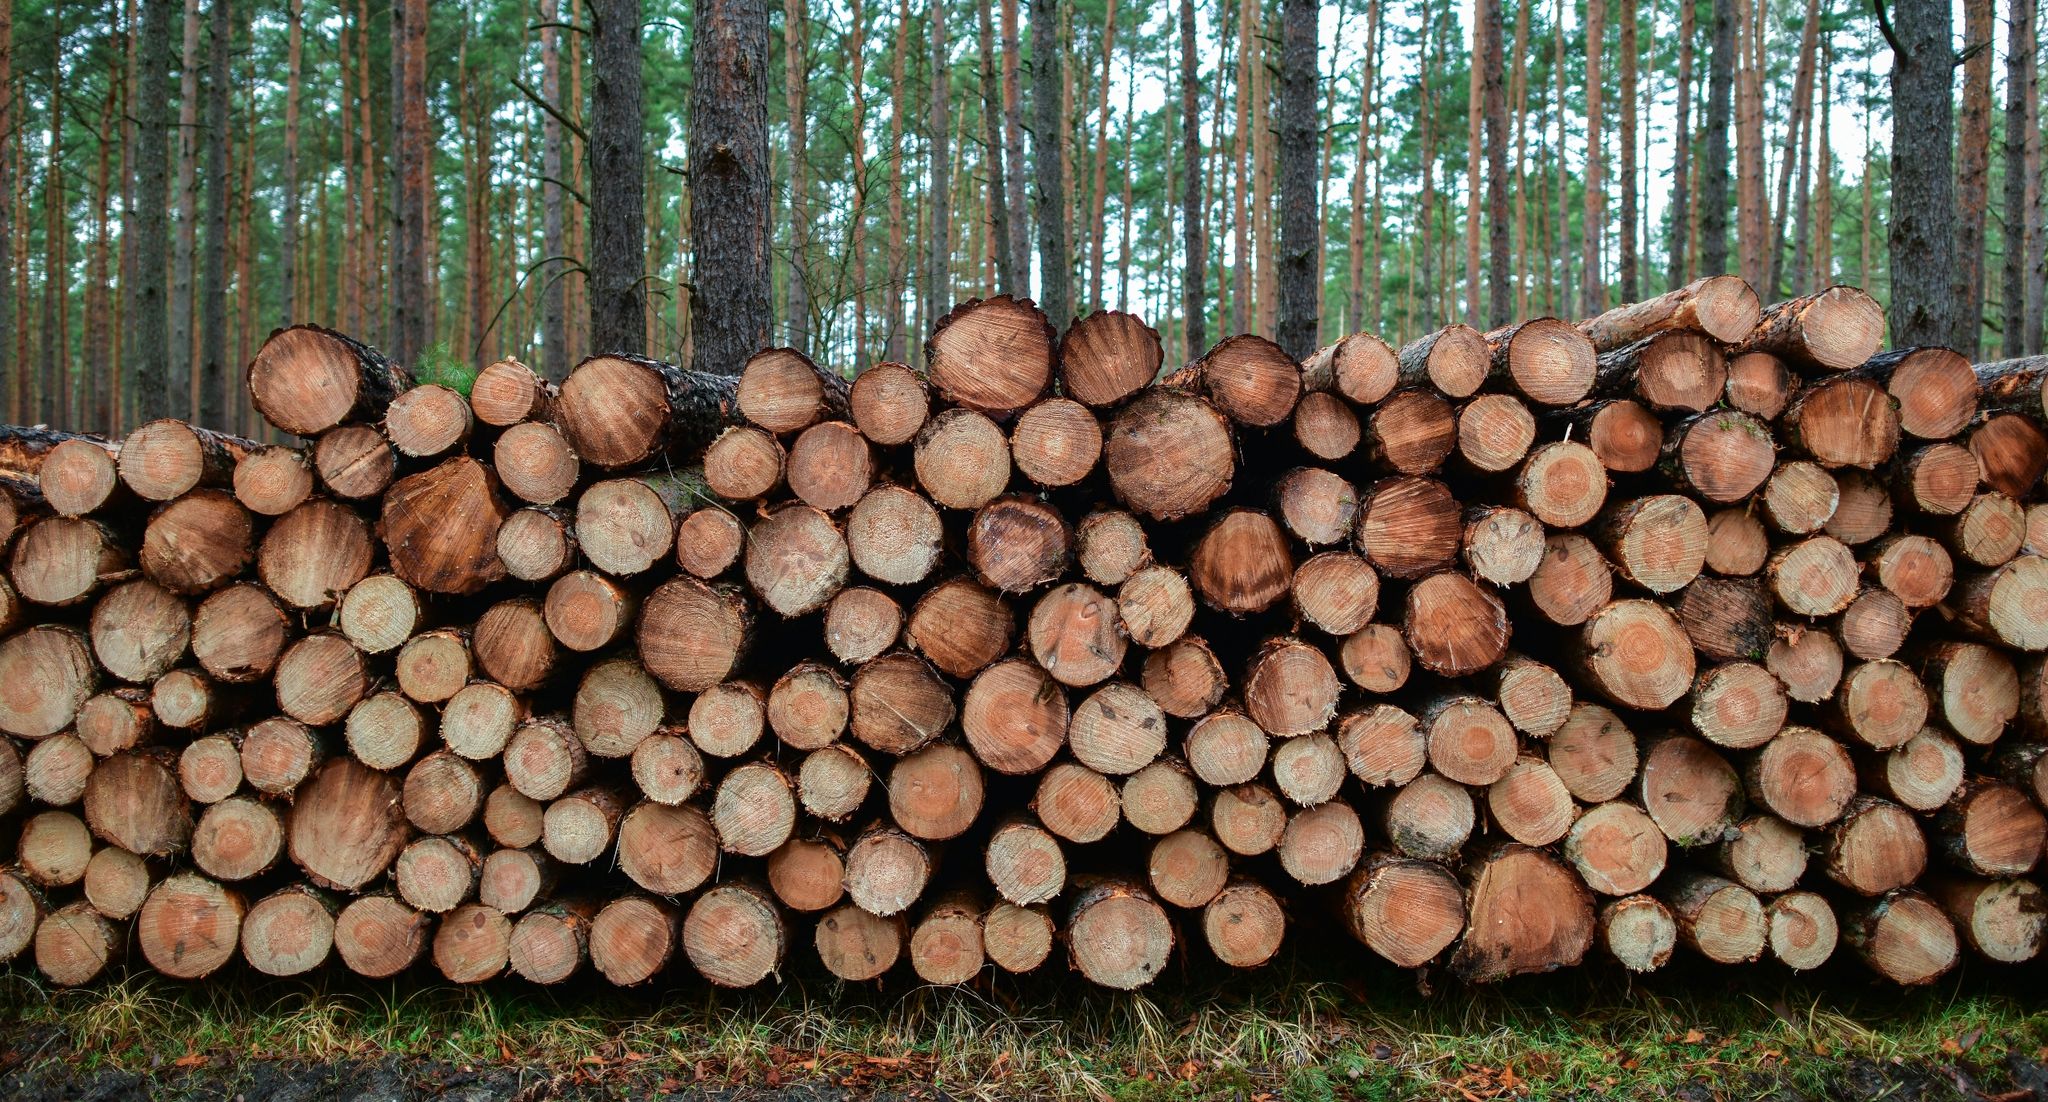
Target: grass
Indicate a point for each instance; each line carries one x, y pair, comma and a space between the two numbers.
1294, 1032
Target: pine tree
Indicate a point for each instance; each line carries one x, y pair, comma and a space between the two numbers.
729, 185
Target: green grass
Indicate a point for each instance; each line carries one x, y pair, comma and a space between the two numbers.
1289, 1034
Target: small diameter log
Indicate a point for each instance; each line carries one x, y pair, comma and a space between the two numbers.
1169, 454
1802, 930
1494, 432
61, 561
1454, 360
1376, 658
691, 633
1724, 307
886, 870
962, 459
1056, 442
1118, 936
209, 768
2007, 605
74, 944
1409, 527
1738, 705
1800, 497
508, 392
753, 810
198, 543
709, 542
1874, 625
139, 630
1015, 543
899, 704
56, 770
239, 633
1241, 564
1689, 790
380, 613
1412, 432
437, 874
1875, 847
1562, 484
108, 723
1326, 428
1879, 704
1639, 931
1991, 829
544, 758
1939, 480
667, 850
133, 800
434, 665
1572, 581
273, 479
1659, 542
1833, 330
1015, 717
1187, 868
830, 466
992, 355
621, 411
1616, 848
934, 794
346, 825
278, 754
1429, 818
945, 946
355, 462
1990, 531
626, 525
1225, 747
1718, 919
1864, 511
1316, 505
314, 554
1528, 914
536, 463
1454, 627
473, 944
1185, 677
1155, 605
1722, 455
1673, 371
1290, 688
1248, 819
1248, 377
744, 463
116, 882
378, 936
1107, 357
578, 828
1110, 546
1808, 662
1903, 937
306, 380
551, 943
1075, 635
861, 623
1975, 689
513, 646
79, 475
1076, 803
1361, 367
1635, 653
166, 459
2003, 920
1405, 910
443, 794
1803, 777
1322, 844
189, 926
1335, 591
782, 391
320, 679
1738, 545
1025, 864
1922, 774
1530, 804
289, 932
1502, 545
586, 611
796, 559
667, 768
2012, 450
1244, 925
808, 707
1842, 422
1470, 741
1308, 770
55, 849
857, 946
961, 626
1382, 745
893, 535
889, 403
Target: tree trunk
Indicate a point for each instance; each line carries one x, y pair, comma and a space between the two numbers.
213, 372
729, 107
54, 372
1625, 258
1299, 215
182, 340
2021, 321
1017, 246
895, 339
1593, 283
1922, 237
553, 274
1194, 304
938, 284
796, 75
148, 337
17, 389
1973, 177
1055, 277
1713, 197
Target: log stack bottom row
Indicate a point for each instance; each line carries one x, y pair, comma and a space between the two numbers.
1702, 626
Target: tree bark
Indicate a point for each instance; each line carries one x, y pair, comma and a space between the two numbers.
213, 379
729, 105
796, 69
1973, 177
1299, 216
1017, 246
1194, 230
1499, 263
1714, 157
938, 212
1055, 277
1593, 282
2021, 320
1922, 237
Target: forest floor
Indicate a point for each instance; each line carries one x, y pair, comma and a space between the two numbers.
1301, 1029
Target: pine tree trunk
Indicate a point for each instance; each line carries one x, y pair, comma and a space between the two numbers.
796, 77
938, 292
1099, 240
1680, 217
729, 183
1194, 305
995, 161
1475, 97
1499, 302
1017, 247
2022, 230
1797, 119
213, 368
288, 227
17, 388
1055, 290
894, 337
1299, 217
553, 274
1973, 177
1922, 237
730, 101
1593, 282
183, 342
1713, 197
53, 372
1625, 258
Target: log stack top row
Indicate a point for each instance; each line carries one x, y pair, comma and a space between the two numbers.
1700, 626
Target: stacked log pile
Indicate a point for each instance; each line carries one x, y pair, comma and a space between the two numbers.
1696, 627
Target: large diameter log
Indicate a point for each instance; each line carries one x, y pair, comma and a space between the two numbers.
2012, 449
306, 380
857, 946
2008, 605
378, 936
61, 561
314, 554
189, 926
994, 356
1616, 848
691, 633
1244, 924
1903, 937
1803, 777
734, 935
1718, 919
355, 462
2003, 920
1639, 931
1528, 914
1118, 936
1454, 626
1187, 868
75, 944
667, 850
1993, 829
239, 633
346, 825
1107, 357
961, 626
1544, 359
1413, 431
1671, 371
1843, 422
1875, 847
440, 527
946, 946
1494, 432
164, 459
1722, 454
1936, 389
1689, 790
133, 800
1405, 910
1803, 929
1635, 653
1247, 377
1594, 754
888, 403
830, 466
1724, 307
139, 631
289, 932
1833, 329
621, 411
1169, 454
77, 474
1326, 428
